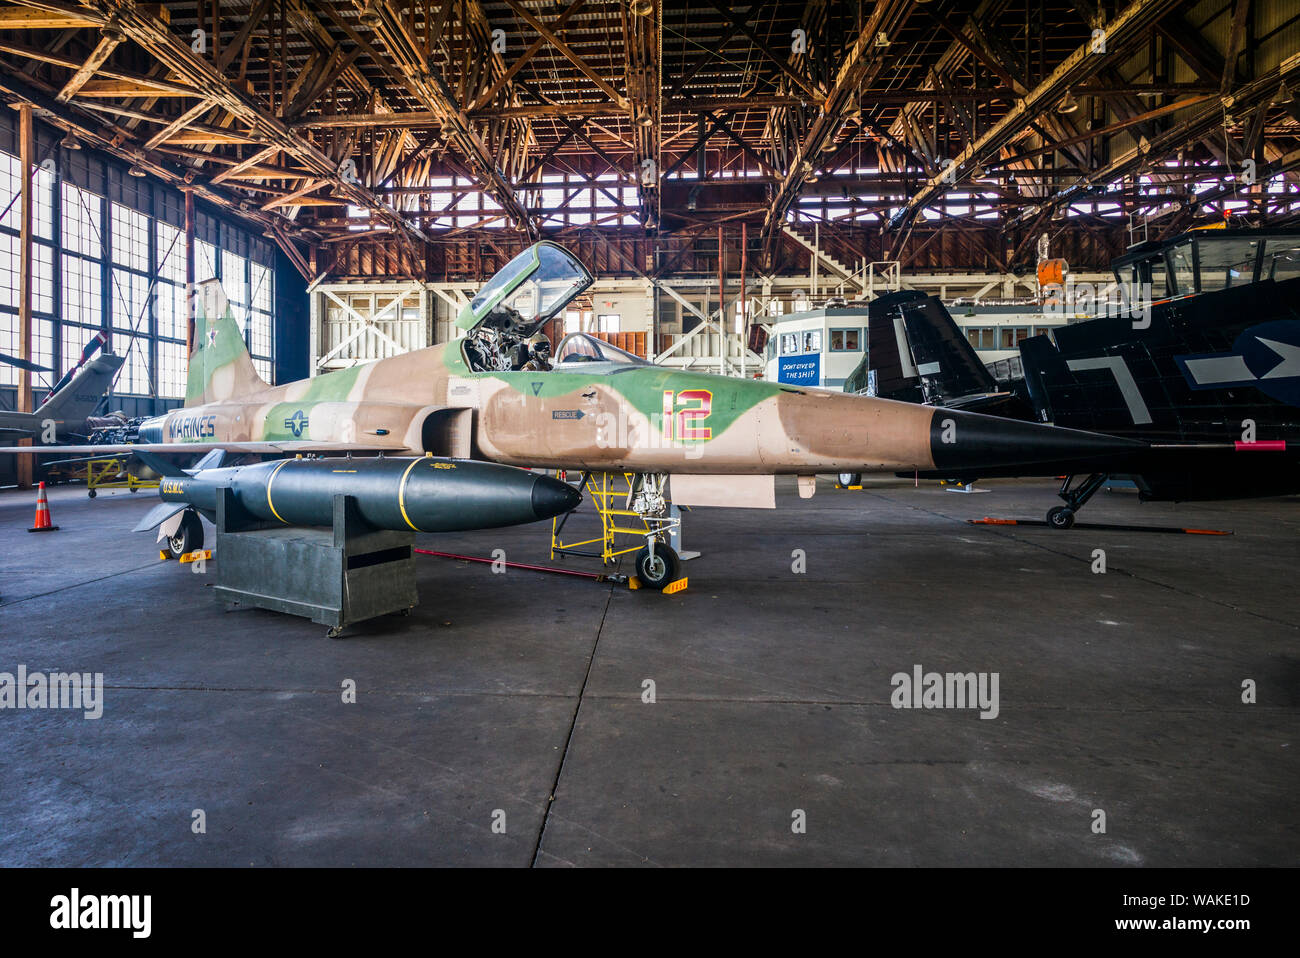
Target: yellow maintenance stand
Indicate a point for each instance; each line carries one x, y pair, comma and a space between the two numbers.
106, 472
630, 506
113, 474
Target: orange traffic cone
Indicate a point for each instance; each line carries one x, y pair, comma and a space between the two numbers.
43, 523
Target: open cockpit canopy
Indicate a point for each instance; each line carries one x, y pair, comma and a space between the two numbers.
528, 291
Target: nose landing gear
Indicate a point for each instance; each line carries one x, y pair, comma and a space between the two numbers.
188, 536
657, 564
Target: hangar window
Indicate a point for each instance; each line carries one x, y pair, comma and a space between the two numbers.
130, 238
10, 183
129, 303
1012, 335
982, 337
117, 264
846, 340
169, 309
83, 216
234, 280
83, 304
205, 261
171, 369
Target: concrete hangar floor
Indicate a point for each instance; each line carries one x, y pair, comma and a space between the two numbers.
1118, 692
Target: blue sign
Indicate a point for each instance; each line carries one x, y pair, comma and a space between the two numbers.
800, 370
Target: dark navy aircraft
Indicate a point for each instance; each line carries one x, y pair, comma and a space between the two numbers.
1200, 357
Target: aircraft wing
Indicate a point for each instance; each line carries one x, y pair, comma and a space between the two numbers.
286, 447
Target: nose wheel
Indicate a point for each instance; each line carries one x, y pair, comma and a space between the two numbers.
657, 565
188, 536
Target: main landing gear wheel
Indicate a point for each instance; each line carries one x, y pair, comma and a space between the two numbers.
658, 570
91, 493
850, 479
1061, 517
188, 537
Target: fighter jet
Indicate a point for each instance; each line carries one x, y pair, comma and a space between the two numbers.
499, 393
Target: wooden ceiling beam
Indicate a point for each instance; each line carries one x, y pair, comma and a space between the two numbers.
98, 57
495, 87
429, 87
152, 34
45, 16
1129, 24
568, 53
182, 121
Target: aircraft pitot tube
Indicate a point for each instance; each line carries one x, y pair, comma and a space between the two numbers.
427, 494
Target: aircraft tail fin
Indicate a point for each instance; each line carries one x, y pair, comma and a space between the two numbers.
213, 460
220, 367
917, 353
946, 363
78, 398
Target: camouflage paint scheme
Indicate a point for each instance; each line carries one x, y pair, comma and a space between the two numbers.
634, 418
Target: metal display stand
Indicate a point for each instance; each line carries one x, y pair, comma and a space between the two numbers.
335, 577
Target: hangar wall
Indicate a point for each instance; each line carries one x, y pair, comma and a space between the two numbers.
109, 254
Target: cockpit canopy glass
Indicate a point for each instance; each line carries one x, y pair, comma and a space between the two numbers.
585, 348
529, 290
1207, 260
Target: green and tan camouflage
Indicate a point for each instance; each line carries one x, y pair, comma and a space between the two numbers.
593, 408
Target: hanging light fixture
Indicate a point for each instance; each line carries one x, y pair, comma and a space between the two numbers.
1068, 103
1283, 93
642, 8
136, 171
370, 14
70, 141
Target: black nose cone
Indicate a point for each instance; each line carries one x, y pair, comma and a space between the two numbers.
965, 440
553, 498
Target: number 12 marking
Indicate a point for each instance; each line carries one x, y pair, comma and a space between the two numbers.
684, 411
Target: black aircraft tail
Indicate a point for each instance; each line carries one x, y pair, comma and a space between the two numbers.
917, 353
